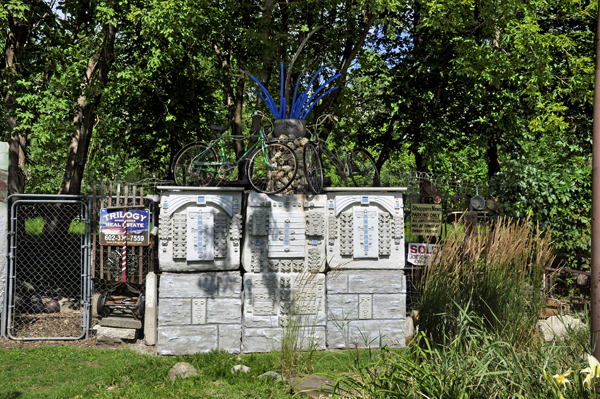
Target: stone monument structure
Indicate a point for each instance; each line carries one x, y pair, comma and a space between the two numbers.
366, 288
200, 292
284, 259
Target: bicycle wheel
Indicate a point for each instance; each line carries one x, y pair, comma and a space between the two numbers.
272, 168
363, 171
313, 170
189, 168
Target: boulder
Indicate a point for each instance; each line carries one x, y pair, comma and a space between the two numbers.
183, 370
559, 326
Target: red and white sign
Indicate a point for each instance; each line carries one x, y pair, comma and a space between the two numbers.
420, 254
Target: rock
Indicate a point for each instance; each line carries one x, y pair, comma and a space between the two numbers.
559, 326
239, 367
312, 385
111, 332
292, 146
304, 140
272, 375
183, 370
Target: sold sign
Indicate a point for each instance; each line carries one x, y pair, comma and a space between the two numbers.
420, 254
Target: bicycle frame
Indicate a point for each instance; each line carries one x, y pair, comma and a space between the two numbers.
204, 166
340, 165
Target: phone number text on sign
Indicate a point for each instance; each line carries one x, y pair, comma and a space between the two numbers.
421, 254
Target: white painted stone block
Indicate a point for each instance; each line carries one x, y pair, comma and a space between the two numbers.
284, 233
272, 300
208, 303
200, 229
151, 311
374, 333
374, 307
186, 340
112, 332
365, 229
230, 337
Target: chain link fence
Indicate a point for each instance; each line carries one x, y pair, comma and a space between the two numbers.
49, 285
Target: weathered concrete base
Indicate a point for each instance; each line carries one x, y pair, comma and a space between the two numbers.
270, 301
200, 312
121, 321
186, 340
366, 308
270, 339
118, 333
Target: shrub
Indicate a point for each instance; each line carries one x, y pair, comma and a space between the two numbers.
496, 272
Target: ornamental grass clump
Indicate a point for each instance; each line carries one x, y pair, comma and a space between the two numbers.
497, 269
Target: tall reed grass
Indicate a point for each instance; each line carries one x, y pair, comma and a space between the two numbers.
496, 271
474, 363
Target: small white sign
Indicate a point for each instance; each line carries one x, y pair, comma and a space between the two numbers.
420, 254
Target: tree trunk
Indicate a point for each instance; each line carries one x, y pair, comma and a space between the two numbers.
16, 36
96, 74
493, 163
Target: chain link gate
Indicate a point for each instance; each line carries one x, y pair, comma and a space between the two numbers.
48, 293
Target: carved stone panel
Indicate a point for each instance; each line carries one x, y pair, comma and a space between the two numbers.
366, 233
200, 229
365, 306
179, 236
286, 228
199, 311
366, 229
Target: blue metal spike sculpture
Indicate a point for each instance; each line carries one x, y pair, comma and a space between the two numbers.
301, 106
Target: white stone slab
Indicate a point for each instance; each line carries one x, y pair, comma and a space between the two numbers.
200, 230
270, 339
186, 340
112, 332
284, 233
354, 242
374, 333
200, 285
230, 338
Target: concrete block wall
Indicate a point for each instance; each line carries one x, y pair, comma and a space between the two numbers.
268, 301
286, 239
199, 312
367, 308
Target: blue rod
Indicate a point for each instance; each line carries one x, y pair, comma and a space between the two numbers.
281, 99
262, 98
319, 89
316, 101
294, 99
271, 103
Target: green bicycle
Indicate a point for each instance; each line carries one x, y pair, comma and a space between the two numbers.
271, 166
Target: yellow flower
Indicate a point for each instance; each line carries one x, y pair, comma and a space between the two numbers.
562, 378
592, 372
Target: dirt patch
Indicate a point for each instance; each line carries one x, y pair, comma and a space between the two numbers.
67, 325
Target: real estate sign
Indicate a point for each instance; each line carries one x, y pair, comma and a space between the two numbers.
112, 226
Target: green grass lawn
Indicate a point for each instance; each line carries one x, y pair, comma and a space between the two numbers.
67, 372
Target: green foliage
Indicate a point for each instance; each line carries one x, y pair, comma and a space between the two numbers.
472, 363
496, 272
555, 198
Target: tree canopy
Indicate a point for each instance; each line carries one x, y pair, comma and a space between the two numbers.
111, 89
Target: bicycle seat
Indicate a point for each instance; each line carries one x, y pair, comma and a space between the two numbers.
219, 128
340, 135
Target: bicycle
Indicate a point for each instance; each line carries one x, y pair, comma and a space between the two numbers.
358, 164
271, 168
